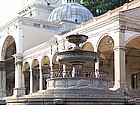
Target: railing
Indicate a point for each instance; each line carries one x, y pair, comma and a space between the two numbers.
81, 73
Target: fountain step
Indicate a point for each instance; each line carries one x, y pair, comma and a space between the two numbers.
71, 97
2, 101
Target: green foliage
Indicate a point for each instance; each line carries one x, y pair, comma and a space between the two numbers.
98, 7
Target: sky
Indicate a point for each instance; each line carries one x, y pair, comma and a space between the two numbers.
8, 8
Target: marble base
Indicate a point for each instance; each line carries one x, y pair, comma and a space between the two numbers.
19, 92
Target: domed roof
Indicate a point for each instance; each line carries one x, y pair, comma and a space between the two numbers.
71, 12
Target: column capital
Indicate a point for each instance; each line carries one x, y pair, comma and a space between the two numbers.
18, 58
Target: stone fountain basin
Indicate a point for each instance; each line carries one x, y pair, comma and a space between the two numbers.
77, 57
77, 39
78, 83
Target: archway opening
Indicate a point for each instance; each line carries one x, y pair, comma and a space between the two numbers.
133, 63
36, 76
9, 49
56, 65
106, 58
27, 77
45, 70
88, 46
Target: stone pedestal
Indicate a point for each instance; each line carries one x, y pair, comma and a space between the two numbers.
19, 78
19, 92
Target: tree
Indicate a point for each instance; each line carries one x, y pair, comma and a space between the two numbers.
98, 7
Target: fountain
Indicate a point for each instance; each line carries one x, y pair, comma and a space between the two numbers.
78, 85
79, 78
77, 57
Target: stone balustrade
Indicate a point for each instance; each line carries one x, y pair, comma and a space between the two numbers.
82, 73
82, 79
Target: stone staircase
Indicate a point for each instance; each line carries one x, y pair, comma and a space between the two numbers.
2, 101
136, 95
72, 97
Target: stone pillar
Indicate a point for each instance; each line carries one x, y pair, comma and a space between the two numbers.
2, 79
41, 79
19, 79
31, 80
64, 71
51, 70
119, 59
120, 70
76, 71
97, 69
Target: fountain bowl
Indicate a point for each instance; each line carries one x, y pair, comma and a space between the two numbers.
77, 39
77, 57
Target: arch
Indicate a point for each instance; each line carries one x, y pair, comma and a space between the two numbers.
133, 42
131, 38
8, 50
7, 42
88, 46
54, 59
45, 70
45, 60
105, 47
101, 37
36, 75
106, 58
26, 66
26, 69
105, 41
35, 63
56, 65
133, 62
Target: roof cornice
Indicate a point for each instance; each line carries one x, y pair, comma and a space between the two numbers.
29, 20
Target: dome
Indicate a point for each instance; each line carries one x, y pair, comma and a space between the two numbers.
71, 12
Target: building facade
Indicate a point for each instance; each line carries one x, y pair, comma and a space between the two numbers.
30, 42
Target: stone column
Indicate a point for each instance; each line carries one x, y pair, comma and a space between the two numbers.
97, 69
41, 79
74, 71
51, 70
119, 59
31, 80
120, 70
2, 79
64, 71
19, 79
